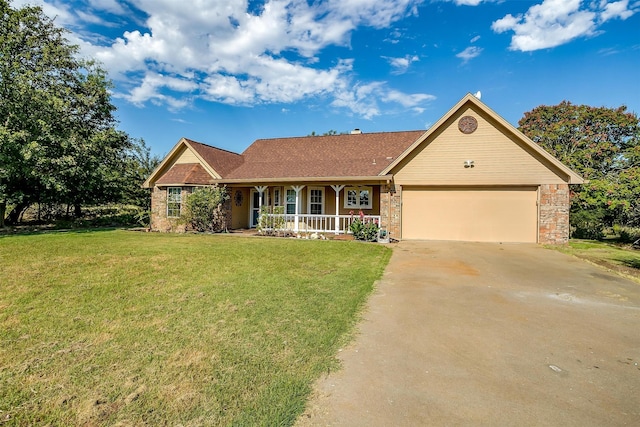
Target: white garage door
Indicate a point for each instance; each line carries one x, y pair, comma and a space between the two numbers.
470, 214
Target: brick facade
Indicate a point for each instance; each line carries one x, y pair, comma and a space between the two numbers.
553, 221
159, 219
390, 202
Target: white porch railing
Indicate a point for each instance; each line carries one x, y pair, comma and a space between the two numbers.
308, 223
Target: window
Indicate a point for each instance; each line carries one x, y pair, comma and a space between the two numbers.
291, 202
316, 201
276, 197
174, 201
358, 197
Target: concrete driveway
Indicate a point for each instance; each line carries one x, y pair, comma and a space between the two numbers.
489, 334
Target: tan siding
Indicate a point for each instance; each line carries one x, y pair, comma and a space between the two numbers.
470, 214
498, 158
240, 214
186, 156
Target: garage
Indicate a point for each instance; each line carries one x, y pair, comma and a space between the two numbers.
479, 214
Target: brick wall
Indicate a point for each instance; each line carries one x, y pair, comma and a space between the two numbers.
159, 220
554, 214
390, 210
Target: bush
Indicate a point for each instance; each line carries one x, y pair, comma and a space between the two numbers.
203, 210
274, 225
628, 234
587, 225
363, 229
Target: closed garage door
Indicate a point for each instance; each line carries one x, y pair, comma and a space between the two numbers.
470, 214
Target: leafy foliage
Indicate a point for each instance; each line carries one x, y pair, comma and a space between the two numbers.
58, 136
364, 229
203, 209
601, 144
271, 225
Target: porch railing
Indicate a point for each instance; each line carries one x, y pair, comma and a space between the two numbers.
309, 223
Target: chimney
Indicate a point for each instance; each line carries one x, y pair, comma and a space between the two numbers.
356, 131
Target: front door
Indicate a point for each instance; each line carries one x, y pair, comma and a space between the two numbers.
255, 206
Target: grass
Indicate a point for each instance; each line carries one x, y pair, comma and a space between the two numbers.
125, 328
617, 258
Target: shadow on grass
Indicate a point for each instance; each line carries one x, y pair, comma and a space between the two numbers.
631, 263
9, 232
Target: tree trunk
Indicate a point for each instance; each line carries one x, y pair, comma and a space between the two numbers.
3, 211
16, 213
77, 210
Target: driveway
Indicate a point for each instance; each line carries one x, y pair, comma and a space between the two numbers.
488, 334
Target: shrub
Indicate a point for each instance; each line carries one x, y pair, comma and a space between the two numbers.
587, 225
203, 209
273, 225
628, 234
364, 229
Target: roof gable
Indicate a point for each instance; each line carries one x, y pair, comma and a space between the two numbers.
186, 173
214, 161
471, 103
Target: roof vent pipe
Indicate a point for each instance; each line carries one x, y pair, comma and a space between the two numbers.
356, 131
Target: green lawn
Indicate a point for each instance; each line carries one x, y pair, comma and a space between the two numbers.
620, 259
129, 328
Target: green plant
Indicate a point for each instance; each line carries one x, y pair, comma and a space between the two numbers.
364, 229
587, 224
203, 209
271, 225
628, 234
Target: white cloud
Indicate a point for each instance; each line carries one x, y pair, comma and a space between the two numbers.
556, 22
364, 99
471, 2
469, 53
467, 2
475, 39
228, 52
618, 9
401, 65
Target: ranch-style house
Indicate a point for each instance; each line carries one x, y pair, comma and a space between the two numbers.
472, 177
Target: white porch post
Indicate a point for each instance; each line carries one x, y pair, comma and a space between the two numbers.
260, 189
297, 189
337, 189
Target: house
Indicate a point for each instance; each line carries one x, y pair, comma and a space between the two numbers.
472, 177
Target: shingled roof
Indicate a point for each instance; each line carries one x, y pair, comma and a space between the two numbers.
222, 161
332, 156
186, 173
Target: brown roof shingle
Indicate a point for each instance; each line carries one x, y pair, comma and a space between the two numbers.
186, 173
365, 154
222, 161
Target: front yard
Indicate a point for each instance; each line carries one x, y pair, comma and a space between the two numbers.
125, 328
617, 258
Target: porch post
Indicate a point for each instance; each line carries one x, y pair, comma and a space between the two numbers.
337, 189
260, 189
297, 189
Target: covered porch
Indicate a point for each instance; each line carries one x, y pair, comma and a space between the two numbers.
306, 208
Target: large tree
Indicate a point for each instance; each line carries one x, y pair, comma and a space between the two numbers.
603, 145
58, 136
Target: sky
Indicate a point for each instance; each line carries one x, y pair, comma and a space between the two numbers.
228, 72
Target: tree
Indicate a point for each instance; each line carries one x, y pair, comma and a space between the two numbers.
58, 140
140, 164
601, 144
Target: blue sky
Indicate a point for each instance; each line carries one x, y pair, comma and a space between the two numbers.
227, 72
